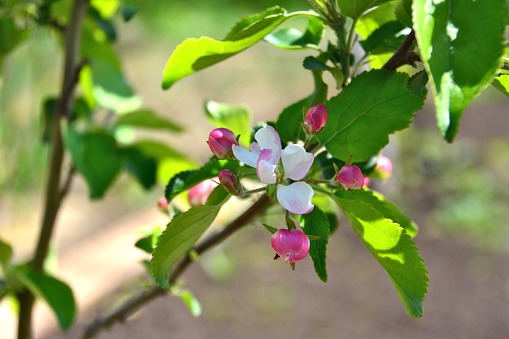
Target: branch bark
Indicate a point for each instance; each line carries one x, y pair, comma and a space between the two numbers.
403, 55
132, 305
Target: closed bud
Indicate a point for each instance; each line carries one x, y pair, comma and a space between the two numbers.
162, 204
291, 245
316, 118
198, 194
221, 141
350, 176
383, 167
230, 182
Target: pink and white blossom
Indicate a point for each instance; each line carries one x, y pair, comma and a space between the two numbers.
292, 245
265, 155
198, 194
350, 177
383, 166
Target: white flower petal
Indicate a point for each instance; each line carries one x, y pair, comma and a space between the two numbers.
264, 169
255, 148
248, 158
296, 161
296, 197
268, 138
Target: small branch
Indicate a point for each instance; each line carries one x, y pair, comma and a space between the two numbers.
132, 305
67, 185
403, 56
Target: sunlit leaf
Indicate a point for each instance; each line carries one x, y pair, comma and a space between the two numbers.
107, 8
460, 43
355, 8
148, 119
385, 39
291, 38
501, 82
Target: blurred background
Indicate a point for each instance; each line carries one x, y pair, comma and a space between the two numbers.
457, 193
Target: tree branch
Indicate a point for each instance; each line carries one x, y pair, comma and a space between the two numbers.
132, 305
403, 55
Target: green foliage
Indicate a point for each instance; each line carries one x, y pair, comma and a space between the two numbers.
461, 51
237, 118
355, 8
10, 36
54, 292
181, 233
291, 38
196, 54
185, 180
97, 157
384, 39
107, 8
404, 12
317, 223
5, 256
148, 119
141, 165
372, 106
392, 248
149, 241
189, 300
501, 82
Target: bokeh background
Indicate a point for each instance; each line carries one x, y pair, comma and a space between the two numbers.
457, 193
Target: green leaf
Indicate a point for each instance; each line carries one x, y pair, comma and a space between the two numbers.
196, 54
355, 8
392, 248
288, 124
107, 8
291, 38
237, 118
385, 39
417, 84
141, 165
181, 233
185, 180
129, 10
149, 241
5, 256
501, 82
312, 63
374, 105
271, 229
461, 47
316, 223
97, 157
404, 12
189, 300
148, 119
54, 292
10, 36
386, 208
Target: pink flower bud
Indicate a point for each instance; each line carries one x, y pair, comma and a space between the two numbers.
292, 245
197, 195
383, 166
221, 141
316, 118
350, 176
162, 203
230, 182
367, 181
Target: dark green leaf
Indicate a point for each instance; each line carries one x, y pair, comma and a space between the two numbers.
355, 8
185, 180
333, 222
392, 248
129, 11
141, 165
386, 208
180, 234
237, 118
312, 63
149, 241
384, 39
10, 36
270, 228
97, 157
404, 12
326, 163
148, 119
501, 82
196, 54
5, 256
291, 38
374, 105
417, 84
54, 292
461, 46
316, 223
288, 124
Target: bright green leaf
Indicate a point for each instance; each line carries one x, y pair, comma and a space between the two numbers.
316, 223
355, 8
374, 105
107, 8
149, 241
384, 39
392, 248
196, 54
460, 43
5, 256
185, 180
97, 157
148, 119
291, 38
237, 118
180, 234
386, 208
54, 292
501, 82
189, 300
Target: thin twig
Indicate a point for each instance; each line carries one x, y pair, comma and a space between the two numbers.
403, 56
132, 305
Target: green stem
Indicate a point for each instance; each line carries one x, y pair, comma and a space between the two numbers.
53, 196
257, 190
